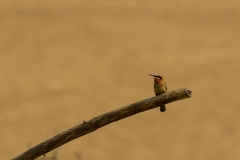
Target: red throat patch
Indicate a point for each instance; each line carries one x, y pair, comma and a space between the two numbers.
156, 80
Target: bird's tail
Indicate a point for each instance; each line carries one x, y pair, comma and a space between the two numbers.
162, 108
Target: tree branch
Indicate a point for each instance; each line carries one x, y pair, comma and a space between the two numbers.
102, 120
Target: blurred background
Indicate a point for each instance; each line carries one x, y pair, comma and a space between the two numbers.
68, 61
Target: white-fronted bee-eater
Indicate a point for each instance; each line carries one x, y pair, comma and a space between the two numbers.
160, 87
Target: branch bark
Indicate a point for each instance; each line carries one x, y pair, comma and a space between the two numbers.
102, 120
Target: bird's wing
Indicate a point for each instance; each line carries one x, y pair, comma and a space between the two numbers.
166, 86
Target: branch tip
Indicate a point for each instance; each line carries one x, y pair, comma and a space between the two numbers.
189, 93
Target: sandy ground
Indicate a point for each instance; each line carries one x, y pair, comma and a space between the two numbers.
67, 61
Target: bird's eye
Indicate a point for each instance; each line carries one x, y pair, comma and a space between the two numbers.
159, 77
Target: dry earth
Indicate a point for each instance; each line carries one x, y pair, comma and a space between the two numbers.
65, 61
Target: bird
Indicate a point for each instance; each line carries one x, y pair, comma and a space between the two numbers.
160, 87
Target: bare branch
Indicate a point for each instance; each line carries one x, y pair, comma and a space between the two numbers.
102, 120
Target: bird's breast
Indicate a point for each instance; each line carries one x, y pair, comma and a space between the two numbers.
159, 88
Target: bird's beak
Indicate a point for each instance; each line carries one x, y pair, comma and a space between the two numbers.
152, 75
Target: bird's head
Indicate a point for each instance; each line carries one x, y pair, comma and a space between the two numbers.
157, 77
